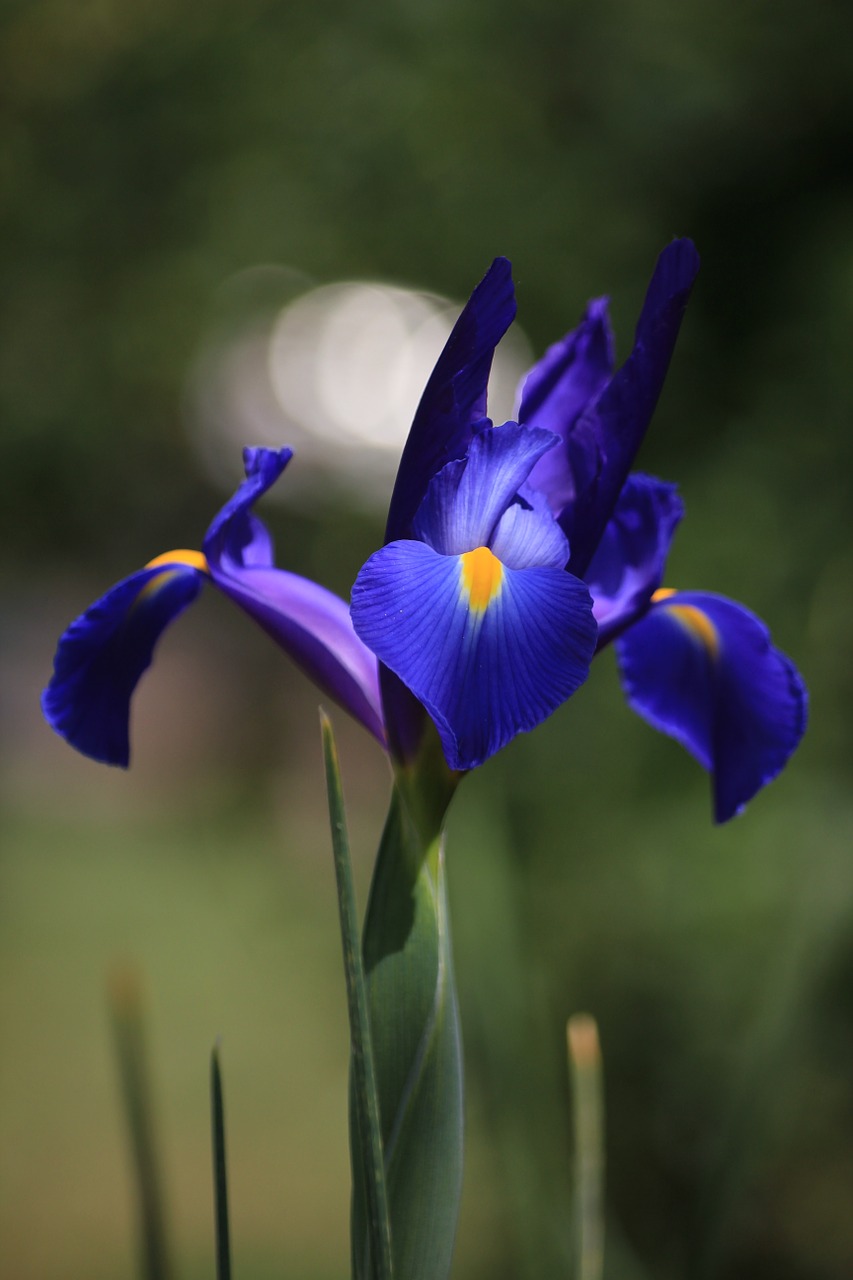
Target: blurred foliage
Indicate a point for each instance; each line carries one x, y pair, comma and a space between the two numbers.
148, 151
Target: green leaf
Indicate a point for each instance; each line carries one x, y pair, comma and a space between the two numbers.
125, 997
220, 1170
365, 1130
416, 1038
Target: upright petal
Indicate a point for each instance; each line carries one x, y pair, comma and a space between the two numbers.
489, 651
102, 655
614, 425
703, 670
555, 394
467, 498
630, 560
454, 399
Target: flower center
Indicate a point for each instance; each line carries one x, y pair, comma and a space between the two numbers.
482, 577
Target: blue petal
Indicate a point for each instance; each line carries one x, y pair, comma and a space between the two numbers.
555, 393
104, 652
467, 498
527, 534
236, 537
629, 564
614, 425
484, 673
455, 395
313, 626
703, 670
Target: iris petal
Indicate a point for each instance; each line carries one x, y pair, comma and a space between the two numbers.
102, 655
454, 399
555, 393
236, 537
614, 425
702, 669
630, 560
488, 662
467, 498
314, 628
527, 534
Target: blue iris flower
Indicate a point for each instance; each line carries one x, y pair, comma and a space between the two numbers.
512, 554
104, 652
697, 666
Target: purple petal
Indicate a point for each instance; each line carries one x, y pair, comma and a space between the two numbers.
527, 534
556, 392
236, 537
455, 395
467, 498
628, 566
703, 670
102, 655
313, 627
489, 651
615, 424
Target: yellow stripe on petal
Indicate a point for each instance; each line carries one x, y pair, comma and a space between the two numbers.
698, 624
172, 562
481, 578
192, 559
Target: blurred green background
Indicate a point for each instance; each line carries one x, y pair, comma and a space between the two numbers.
150, 154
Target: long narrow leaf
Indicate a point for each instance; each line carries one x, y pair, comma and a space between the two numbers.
220, 1169
588, 1108
125, 998
370, 1155
416, 1039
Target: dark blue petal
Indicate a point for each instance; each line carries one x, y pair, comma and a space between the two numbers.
613, 427
236, 537
556, 392
703, 670
104, 652
467, 498
488, 660
312, 625
455, 395
629, 564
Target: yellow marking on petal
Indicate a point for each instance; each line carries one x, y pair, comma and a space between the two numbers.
698, 624
481, 577
192, 559
662, 593
172, 562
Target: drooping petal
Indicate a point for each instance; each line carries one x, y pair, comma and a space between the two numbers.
555, 393
314, 628
467, 498
454, 399
630, 560
236, 537
103, 653
309, 622
614, 425
489, 651
702, 669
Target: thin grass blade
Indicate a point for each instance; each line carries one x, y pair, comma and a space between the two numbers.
220, 1169
126, 1012
588, 1109
371, 1155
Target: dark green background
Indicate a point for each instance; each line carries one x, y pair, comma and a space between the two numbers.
148, 152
